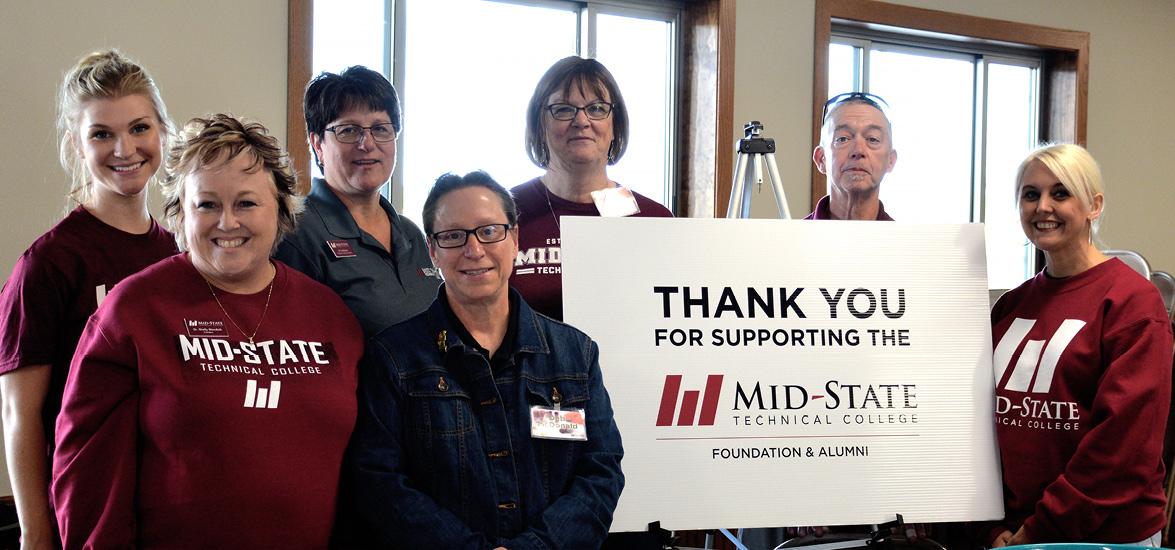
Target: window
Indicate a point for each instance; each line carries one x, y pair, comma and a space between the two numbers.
464, 83
959, 135
1013, 85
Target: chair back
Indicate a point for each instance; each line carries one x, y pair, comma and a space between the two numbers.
1132, 259
1166, 284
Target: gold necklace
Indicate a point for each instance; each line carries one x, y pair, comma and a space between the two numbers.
547, 194
230, 317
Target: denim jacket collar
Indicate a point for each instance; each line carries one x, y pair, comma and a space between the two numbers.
530, 338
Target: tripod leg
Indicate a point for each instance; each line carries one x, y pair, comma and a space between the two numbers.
737, 188
777, 185
754, 181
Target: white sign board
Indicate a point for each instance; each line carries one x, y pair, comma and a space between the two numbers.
768, 372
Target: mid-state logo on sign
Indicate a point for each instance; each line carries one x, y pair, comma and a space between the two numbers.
689, 402
758, 403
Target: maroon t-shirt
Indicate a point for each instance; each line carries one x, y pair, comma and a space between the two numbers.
538, 273
56, 285
177, 432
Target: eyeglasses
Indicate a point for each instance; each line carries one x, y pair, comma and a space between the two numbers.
565, 111
352, 133
863, 97
486, 234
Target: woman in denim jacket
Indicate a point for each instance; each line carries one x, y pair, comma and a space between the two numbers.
483, 424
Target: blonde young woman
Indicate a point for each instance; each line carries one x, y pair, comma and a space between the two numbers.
113, 129
1083, 374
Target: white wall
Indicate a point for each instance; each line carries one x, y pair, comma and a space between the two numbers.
1131, 123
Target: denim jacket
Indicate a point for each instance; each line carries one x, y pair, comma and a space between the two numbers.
442, 454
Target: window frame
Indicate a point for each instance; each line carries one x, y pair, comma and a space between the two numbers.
865, 43
704, 107
1064, 78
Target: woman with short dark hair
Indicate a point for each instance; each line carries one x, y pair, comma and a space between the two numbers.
350, 237
483, 424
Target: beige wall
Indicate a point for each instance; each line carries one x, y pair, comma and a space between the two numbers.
1131, 124
206, 56
223, 55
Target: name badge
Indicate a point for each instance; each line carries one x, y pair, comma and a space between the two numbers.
615, 202
341, 248
565, 424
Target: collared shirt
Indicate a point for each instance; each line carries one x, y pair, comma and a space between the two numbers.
502, 356
824, 212
381, 288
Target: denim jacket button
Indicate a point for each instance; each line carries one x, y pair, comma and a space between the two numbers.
442, 385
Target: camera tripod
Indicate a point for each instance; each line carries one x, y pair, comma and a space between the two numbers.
754, 151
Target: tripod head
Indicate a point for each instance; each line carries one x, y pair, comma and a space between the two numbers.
752, 129
752, 143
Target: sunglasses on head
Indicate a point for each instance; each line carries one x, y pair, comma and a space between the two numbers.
861, 97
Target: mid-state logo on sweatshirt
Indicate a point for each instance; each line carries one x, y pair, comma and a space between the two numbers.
539, 259
1033, 374
263, 398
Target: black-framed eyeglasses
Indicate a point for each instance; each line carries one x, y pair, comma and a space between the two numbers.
352, 133
598, 110
486, 234
862, 97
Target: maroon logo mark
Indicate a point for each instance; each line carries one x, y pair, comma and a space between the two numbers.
689, 402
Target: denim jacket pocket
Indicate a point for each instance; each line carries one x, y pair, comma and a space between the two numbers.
567, 391
443, 436
439, 406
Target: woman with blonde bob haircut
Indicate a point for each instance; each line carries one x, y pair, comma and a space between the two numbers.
113, 129
1076, 169
221, 138
206, 409
1083, 374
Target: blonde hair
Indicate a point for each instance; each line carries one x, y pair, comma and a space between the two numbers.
1074, 167
216, 140
104, 74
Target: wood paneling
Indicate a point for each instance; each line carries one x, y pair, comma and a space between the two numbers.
298, 67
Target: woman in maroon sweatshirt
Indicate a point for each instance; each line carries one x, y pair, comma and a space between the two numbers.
1083, 374
212, 394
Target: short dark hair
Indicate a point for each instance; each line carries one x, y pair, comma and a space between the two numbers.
452, 182
330, 95
587, 75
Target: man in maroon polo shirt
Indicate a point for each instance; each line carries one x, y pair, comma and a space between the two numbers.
855, 153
